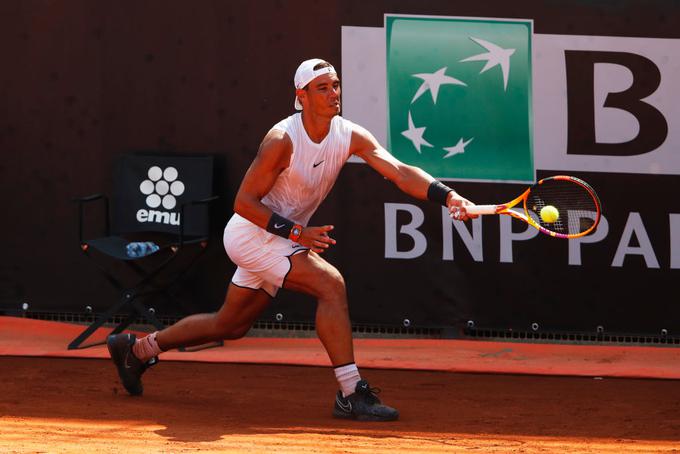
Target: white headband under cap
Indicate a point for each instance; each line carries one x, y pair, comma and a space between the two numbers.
306, 73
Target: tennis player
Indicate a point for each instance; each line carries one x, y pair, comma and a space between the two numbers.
269, 238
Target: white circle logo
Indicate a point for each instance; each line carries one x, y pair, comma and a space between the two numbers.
155, 173
162, 187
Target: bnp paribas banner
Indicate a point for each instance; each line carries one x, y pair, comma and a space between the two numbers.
459, 96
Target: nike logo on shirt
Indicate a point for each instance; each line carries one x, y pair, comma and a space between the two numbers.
278, 226
319, 163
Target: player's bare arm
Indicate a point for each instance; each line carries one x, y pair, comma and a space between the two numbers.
410, 179
272, 158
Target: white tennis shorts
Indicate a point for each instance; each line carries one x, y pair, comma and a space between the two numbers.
263, 259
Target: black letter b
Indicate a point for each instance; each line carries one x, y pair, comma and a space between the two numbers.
580, 67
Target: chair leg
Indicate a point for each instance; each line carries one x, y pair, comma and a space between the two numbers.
129, 298
127, 321
196, 348
100, 320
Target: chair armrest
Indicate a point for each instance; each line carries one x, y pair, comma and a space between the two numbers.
192, 202
90, 198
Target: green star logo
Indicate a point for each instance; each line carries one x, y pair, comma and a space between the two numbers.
459, 97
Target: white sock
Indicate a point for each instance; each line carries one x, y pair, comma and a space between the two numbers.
348, 377
146, 348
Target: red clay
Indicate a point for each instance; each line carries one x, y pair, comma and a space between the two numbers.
77, 405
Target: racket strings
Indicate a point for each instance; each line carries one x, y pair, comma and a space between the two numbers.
576, 206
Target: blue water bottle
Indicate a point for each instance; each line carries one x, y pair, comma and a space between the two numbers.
140, 248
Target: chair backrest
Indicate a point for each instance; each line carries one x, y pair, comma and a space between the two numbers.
149, 190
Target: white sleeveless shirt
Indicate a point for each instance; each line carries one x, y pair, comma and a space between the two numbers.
313, 169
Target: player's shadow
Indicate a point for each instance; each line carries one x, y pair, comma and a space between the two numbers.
277, 400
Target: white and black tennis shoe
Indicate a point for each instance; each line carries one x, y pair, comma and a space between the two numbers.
363, 405
130, 368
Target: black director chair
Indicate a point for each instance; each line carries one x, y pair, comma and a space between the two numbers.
159, 198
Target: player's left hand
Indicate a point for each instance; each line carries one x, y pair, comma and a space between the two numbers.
317, 238
456, 205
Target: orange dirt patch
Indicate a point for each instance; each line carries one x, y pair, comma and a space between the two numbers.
78, 405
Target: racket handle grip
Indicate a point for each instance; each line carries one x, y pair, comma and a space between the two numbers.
482, 209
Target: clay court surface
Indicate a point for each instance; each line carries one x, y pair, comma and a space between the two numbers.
78, 405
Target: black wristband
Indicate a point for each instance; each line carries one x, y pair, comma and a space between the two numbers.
278, 225
438, 192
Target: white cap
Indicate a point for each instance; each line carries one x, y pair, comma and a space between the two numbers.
306, 73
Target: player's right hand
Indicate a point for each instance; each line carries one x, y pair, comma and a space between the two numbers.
316, 238
457, 207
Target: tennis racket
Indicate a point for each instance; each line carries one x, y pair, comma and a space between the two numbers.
560, 206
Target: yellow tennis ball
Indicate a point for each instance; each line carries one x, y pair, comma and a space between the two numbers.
549, 214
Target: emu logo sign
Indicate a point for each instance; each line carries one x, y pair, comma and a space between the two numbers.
161, 189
